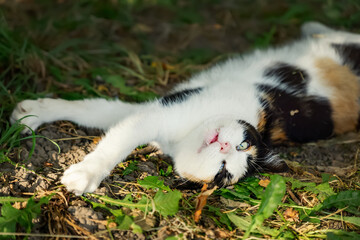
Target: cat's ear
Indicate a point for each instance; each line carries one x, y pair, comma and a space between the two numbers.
273, 163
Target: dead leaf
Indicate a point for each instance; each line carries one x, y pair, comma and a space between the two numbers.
103, 88
219, 233
201, 200
96, 140
19, 205
264, 182
47, 164
291, 215
112, 225
294, 154
217, 26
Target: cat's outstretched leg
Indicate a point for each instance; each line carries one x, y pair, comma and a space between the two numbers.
130, 126
119, 141
97, 113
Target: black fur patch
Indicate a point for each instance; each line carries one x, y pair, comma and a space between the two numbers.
350, 53
303, 119
178, 97
251, 134
293, 78
260, 162
222, 178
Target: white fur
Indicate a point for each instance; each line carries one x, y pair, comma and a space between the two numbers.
229, 93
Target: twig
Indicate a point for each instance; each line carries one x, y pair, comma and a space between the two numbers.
293, 197
334, 213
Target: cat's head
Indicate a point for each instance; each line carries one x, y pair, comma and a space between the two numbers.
222, 151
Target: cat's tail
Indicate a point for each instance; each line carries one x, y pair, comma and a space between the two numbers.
310, 29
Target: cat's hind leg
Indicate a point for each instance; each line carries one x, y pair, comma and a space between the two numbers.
96, 113
327, 34
312, 29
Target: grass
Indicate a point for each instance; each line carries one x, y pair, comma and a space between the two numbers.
135, 50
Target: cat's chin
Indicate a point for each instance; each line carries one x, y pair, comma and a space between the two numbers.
213, 171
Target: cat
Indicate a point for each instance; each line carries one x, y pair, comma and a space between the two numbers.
220, 126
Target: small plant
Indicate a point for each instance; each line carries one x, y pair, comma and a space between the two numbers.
12, 217
11, 137
165, 202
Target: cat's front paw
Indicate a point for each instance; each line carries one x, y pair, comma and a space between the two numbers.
32, 113
83, 177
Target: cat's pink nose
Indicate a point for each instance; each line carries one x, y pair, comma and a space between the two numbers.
224, 147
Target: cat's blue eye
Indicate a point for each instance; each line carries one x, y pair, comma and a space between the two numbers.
245, 145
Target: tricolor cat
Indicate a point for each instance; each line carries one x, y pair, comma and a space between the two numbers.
219, 127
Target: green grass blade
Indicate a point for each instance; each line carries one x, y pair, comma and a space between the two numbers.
274, 192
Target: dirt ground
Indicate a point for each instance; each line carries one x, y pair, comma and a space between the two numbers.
44, 169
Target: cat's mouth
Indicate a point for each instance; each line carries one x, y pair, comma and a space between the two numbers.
210, 139
213, 138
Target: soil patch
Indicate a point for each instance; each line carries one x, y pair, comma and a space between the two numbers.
42, 172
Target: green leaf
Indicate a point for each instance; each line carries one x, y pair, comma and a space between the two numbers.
8, 220
349, 199
11, 216
298, 184
126, 222
143, 204
167, 203
274, 192
172, 238
252, 184
223, 216
235, 195
115, 212
120, 83
169, 170
244, 223
326, 177
88, 86
123, 221
153, 182
132, 166
342, 235
352, 220
243, 191
323, 190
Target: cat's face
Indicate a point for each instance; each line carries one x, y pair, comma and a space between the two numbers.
222, 151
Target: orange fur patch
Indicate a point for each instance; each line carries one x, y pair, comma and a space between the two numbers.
344, 99
253, 151
262, 121
278, 135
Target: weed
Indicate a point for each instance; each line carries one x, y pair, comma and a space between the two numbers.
11, 216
